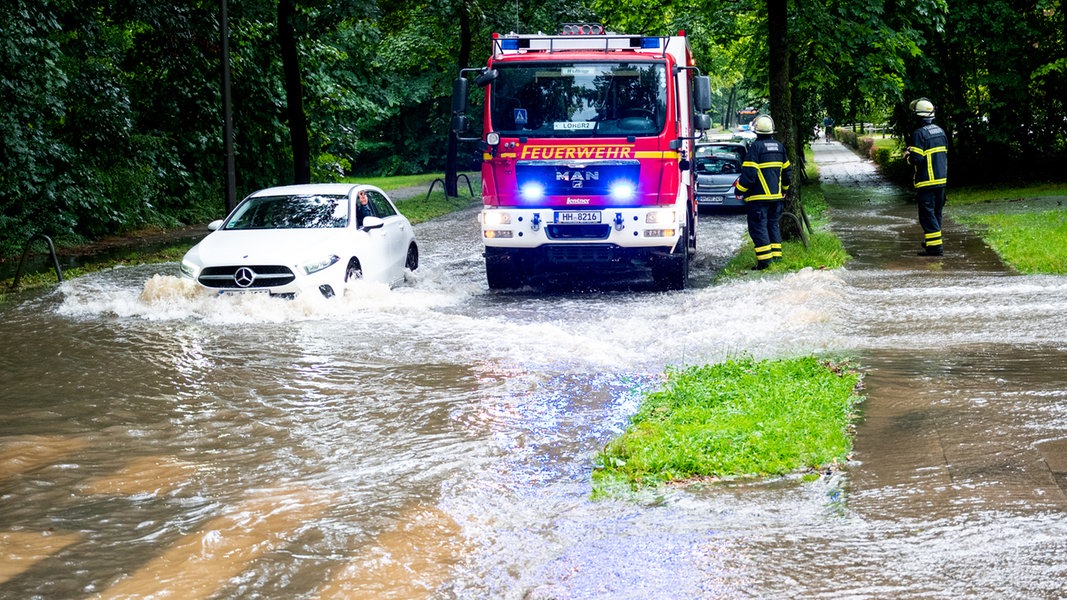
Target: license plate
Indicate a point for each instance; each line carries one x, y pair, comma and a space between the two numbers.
578, 216
241, 292
711, 199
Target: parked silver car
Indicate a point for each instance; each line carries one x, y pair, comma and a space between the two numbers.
718, 165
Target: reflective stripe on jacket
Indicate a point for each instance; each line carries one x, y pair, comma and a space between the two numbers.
766, 173
928, 153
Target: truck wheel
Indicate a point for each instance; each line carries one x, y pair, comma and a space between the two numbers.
501, 276
672, 272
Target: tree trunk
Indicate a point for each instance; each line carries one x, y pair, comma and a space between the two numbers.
451, 152
294, 93
782, 104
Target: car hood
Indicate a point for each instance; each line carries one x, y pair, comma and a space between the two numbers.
268, 246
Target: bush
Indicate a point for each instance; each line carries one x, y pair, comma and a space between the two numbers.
864, 146
881, 156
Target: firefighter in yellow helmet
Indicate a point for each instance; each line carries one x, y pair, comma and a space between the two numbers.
765, 178
927, 152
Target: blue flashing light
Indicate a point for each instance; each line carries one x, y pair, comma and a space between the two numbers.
509, 44
623, 190
533, 190
649, 43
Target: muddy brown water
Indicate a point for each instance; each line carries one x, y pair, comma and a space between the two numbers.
436, 440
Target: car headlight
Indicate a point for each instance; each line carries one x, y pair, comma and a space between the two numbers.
318, 265
189, 269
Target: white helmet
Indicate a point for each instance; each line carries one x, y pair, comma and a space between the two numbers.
922, 108
763, 124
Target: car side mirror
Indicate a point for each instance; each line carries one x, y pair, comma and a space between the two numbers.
372, 223
215, 225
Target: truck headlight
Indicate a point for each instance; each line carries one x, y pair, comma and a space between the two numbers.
664, 216
495, 217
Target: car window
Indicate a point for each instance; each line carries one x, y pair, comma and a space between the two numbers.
719, 164
381, 205
309, 211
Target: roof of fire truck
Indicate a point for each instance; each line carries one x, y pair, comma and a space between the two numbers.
585, 37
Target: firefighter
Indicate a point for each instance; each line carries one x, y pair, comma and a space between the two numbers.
765, 177
928, 153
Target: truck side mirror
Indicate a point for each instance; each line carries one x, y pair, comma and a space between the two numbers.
702, 122
702, 93
486, 77
459, 95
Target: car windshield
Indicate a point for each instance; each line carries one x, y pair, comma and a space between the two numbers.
718, 164
737, 152
590, 99
307, 211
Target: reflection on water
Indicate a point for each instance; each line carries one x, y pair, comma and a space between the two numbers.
436, 440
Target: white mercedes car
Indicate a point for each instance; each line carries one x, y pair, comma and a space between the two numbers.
305, 238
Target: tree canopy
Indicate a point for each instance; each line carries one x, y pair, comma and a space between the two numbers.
113, 116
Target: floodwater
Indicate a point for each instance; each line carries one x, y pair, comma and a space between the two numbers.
436, 440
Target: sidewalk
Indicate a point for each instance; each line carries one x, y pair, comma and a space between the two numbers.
964, 392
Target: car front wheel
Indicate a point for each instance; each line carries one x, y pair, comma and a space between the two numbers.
354, 271
412, 261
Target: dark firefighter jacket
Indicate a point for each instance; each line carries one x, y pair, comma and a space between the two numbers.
928, 153
766, 173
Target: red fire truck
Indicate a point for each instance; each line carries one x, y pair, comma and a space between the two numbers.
587, 155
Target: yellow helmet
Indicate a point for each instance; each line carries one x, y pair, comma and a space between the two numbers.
922, 107
763, 124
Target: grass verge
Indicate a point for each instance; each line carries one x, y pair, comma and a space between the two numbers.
739, 418
824, 250
419, 209
1030, 242
1026, 226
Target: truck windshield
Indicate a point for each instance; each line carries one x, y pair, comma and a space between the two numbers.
579, 99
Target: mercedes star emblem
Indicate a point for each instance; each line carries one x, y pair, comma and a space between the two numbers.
244, 277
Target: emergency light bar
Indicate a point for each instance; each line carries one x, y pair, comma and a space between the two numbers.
516, 43
583, 29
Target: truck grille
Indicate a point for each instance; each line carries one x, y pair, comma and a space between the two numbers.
580, 254
578, 232
246, 277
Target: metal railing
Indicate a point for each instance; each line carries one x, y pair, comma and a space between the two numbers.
26, 251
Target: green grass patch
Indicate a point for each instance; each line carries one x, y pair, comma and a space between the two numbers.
888, 143
824, 249
739, 418
976, 195
1031, 242
399, 181
419, 209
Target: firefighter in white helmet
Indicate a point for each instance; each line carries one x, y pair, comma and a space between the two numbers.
765, 178
928, 154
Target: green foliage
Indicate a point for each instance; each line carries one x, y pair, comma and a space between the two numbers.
739, 418
112, 108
